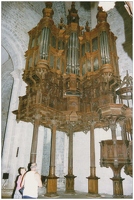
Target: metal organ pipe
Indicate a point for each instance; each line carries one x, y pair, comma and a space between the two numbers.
47, 42
107, 50
101, 47
74, 47
44, 43
104, 61
69, 56
67, 53
76, 53
72, 52
104, 48
72, 58
44, 53
77, 58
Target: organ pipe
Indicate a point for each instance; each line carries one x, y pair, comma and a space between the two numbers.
72, 54
104, 48
44, 43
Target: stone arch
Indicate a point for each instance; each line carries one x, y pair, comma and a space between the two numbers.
13, 47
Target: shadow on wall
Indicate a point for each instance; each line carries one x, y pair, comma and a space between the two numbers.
127, 45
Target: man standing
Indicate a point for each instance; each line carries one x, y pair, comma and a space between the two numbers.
31, 182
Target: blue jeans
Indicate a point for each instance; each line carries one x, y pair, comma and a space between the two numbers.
27, 197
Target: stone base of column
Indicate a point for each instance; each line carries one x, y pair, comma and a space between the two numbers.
117, 187
51, 189
70, 184
6, 193
93, 186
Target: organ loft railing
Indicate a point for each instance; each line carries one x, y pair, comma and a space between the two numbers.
73, 82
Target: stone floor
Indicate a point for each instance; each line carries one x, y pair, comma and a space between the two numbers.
81, 195
63, 195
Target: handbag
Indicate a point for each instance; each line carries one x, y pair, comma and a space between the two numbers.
21, 190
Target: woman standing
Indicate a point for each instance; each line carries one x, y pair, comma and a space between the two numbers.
17, 194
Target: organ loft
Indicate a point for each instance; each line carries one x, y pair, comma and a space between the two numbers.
74, 85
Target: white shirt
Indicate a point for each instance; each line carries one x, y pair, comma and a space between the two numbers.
30, 185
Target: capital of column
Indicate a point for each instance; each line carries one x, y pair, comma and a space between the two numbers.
17, 74
112, 122
54, 122
37, 116
112, 126
92, 123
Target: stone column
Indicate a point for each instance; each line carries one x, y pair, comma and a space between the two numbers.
35, 139
92, 179
70, 177
7, 164
94, 12
51, 189
40, 148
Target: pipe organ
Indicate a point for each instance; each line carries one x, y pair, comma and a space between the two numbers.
73, 84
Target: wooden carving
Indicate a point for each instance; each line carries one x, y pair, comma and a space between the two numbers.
73, 78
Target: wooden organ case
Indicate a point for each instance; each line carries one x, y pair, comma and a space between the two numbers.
73, 82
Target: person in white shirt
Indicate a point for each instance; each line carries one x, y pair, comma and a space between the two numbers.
31, 182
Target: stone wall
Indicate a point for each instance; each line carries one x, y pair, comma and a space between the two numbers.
6, 89
121, 25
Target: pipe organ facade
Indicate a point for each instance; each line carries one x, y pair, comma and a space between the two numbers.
73, 82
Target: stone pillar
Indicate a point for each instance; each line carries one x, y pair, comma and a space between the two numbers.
35, 139
92, 179
51, 189
40, 148
7, 164
94, 12
70, 177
